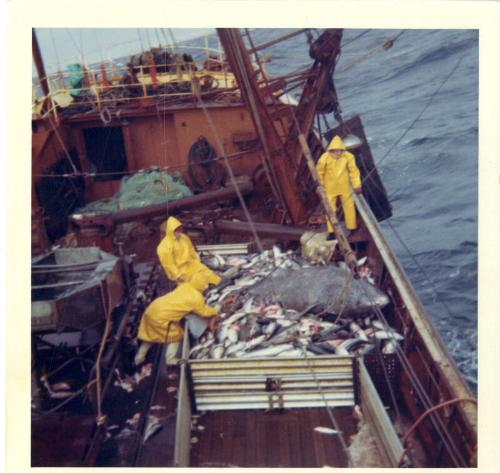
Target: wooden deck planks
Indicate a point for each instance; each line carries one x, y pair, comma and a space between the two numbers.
269, 439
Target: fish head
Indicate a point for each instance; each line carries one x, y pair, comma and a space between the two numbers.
371, 296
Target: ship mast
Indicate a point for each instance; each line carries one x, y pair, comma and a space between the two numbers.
288, 157
40, 69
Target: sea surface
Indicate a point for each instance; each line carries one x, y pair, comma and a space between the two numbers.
418, 101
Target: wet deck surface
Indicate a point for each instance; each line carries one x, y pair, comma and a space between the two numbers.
268, 439
60, 440
158, 450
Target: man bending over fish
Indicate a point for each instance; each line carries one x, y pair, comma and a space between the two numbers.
178, 257
336, 167
160, 322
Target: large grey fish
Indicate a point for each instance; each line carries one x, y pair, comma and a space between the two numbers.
329, 285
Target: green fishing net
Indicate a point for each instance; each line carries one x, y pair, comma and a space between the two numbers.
147, 187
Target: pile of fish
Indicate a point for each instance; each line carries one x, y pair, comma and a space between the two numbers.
276, 304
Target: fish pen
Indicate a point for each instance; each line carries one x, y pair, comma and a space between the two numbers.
277, 412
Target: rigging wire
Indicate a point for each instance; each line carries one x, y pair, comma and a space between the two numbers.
356, 38
229, 169
55, 49
385, 45
224, 156
271, 175
174, 43
148, 38
261, 67
417, 385
420, 268
421, 392
68, 31
412, 256
417, 118
328, 408
140, 39
447, 77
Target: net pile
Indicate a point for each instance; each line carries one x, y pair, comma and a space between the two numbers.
147, 187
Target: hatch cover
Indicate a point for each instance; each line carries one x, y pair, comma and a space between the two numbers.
271, 383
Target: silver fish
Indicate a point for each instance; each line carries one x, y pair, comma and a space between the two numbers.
217, 351
231, 350
358, 331
252, 262
255, 342
390, 347
245, 282
152, 427
248, 306
351, 343
234, 318
326, 430
269, 329
267, 352
125, 433
388, 334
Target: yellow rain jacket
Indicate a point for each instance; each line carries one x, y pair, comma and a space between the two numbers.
179, 258
160, 320
334, 174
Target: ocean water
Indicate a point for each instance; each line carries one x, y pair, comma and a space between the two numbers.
429, 166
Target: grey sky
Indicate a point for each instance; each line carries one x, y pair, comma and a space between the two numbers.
63, 46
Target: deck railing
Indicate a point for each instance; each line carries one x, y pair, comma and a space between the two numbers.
109, 84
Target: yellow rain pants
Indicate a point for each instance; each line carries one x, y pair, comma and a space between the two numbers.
160, 320
335, 174
179, 258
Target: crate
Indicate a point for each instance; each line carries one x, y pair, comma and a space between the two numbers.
373, 363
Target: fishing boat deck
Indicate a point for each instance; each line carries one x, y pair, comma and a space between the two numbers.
256, 438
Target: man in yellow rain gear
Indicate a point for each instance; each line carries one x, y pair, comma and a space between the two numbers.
160, 322
178, 257
336, 167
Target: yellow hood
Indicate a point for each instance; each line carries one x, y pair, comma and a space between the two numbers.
172, 225
336, 143
199, 281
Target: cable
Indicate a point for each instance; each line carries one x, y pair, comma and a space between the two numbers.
385, 45
420, 268
66, 401
448, 76
356, 38
427, 412
328, 408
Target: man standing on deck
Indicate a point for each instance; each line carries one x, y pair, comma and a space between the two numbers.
337, 169
160, 322
178, 257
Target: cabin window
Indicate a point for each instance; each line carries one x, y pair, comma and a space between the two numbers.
105, 153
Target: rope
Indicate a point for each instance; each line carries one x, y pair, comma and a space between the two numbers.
107, 329
421, 269
448, 76
266, 80
385, 45
328, 408
356, 38
425, 414
415, 381
420, 391
231, 157
67, 400
269, 170
229, 170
